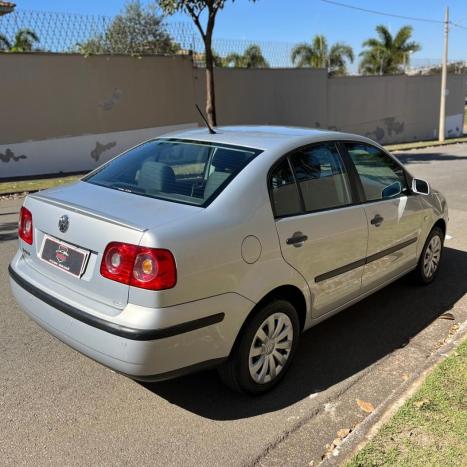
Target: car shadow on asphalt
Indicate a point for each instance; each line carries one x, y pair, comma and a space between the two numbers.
333, 350
8, 231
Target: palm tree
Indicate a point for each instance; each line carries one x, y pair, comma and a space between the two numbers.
318, 54
24, 41
251, 58
4, 43
387, 54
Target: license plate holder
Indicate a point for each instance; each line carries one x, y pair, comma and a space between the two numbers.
61, 255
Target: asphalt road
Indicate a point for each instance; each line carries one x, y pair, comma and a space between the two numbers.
59, 408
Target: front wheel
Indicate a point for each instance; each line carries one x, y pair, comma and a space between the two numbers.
265, 349
429, 262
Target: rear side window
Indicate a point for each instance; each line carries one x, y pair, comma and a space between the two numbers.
321, 176
175, 170
381, 176
284, 191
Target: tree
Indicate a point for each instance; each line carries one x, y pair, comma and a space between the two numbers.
194, 8
24, 41
387, 54
4, 43
137, 31
251, 58
318, 54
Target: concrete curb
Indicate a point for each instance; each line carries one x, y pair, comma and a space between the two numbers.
368, 428
421, 145
16, 193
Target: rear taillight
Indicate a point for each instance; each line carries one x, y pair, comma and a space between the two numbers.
147, 268
25, 227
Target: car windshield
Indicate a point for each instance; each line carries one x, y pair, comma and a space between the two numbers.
183, 171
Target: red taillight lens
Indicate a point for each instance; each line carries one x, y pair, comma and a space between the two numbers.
117, 262
154, 269
147, 268
25, 227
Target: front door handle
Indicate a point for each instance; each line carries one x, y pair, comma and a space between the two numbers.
297, 239
377, 220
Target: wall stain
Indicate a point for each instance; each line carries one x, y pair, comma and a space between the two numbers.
392, 127
111, 102
9, 155
377, 134
101, 148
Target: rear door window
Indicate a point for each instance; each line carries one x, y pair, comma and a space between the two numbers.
284, 191
175, 170
321, 177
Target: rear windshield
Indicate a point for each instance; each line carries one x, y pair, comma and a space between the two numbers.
175, 170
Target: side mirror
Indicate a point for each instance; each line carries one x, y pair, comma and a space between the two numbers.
392, 190
420, 187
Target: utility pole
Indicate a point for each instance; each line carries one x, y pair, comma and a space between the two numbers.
444, 72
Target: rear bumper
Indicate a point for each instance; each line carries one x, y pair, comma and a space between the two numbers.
108, 326
147, 354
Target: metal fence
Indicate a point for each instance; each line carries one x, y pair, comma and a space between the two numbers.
90, 34
67, 33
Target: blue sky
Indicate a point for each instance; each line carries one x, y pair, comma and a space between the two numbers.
298, 20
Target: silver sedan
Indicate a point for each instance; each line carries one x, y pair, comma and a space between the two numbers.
196, 249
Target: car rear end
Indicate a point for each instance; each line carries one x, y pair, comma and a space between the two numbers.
85, 249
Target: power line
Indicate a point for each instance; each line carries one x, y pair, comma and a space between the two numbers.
393, 15
382, 13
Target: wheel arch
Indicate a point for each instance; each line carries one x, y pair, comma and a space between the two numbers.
288, 292
441, 223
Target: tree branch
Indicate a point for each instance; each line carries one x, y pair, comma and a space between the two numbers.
196, 20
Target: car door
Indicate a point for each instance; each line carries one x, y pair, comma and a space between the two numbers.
322, 233
394, 214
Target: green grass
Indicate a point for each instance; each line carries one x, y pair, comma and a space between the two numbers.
39, 184
424, 144
431, 427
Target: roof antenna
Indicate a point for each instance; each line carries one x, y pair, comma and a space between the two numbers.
211, 131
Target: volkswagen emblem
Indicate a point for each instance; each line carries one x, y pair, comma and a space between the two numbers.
63, 223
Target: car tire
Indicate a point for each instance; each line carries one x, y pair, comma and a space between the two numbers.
264, 350
430, 258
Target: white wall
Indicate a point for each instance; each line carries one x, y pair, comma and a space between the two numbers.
73, 154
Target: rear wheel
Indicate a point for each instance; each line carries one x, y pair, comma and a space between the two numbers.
265, 349
429, 262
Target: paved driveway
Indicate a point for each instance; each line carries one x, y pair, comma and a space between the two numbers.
58, 407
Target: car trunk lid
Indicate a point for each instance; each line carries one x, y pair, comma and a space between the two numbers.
96, 216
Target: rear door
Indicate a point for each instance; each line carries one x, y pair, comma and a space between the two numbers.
323, 235
394, 215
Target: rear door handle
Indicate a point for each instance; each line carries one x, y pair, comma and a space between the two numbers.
377, 220
297, 239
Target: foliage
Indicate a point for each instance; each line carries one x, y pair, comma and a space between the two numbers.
194, 8
318, 54
24, 41
251, 58
138, 30
387, 54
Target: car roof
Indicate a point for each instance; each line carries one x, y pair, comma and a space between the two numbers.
264, 137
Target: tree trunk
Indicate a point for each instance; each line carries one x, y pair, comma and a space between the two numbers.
210, 94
